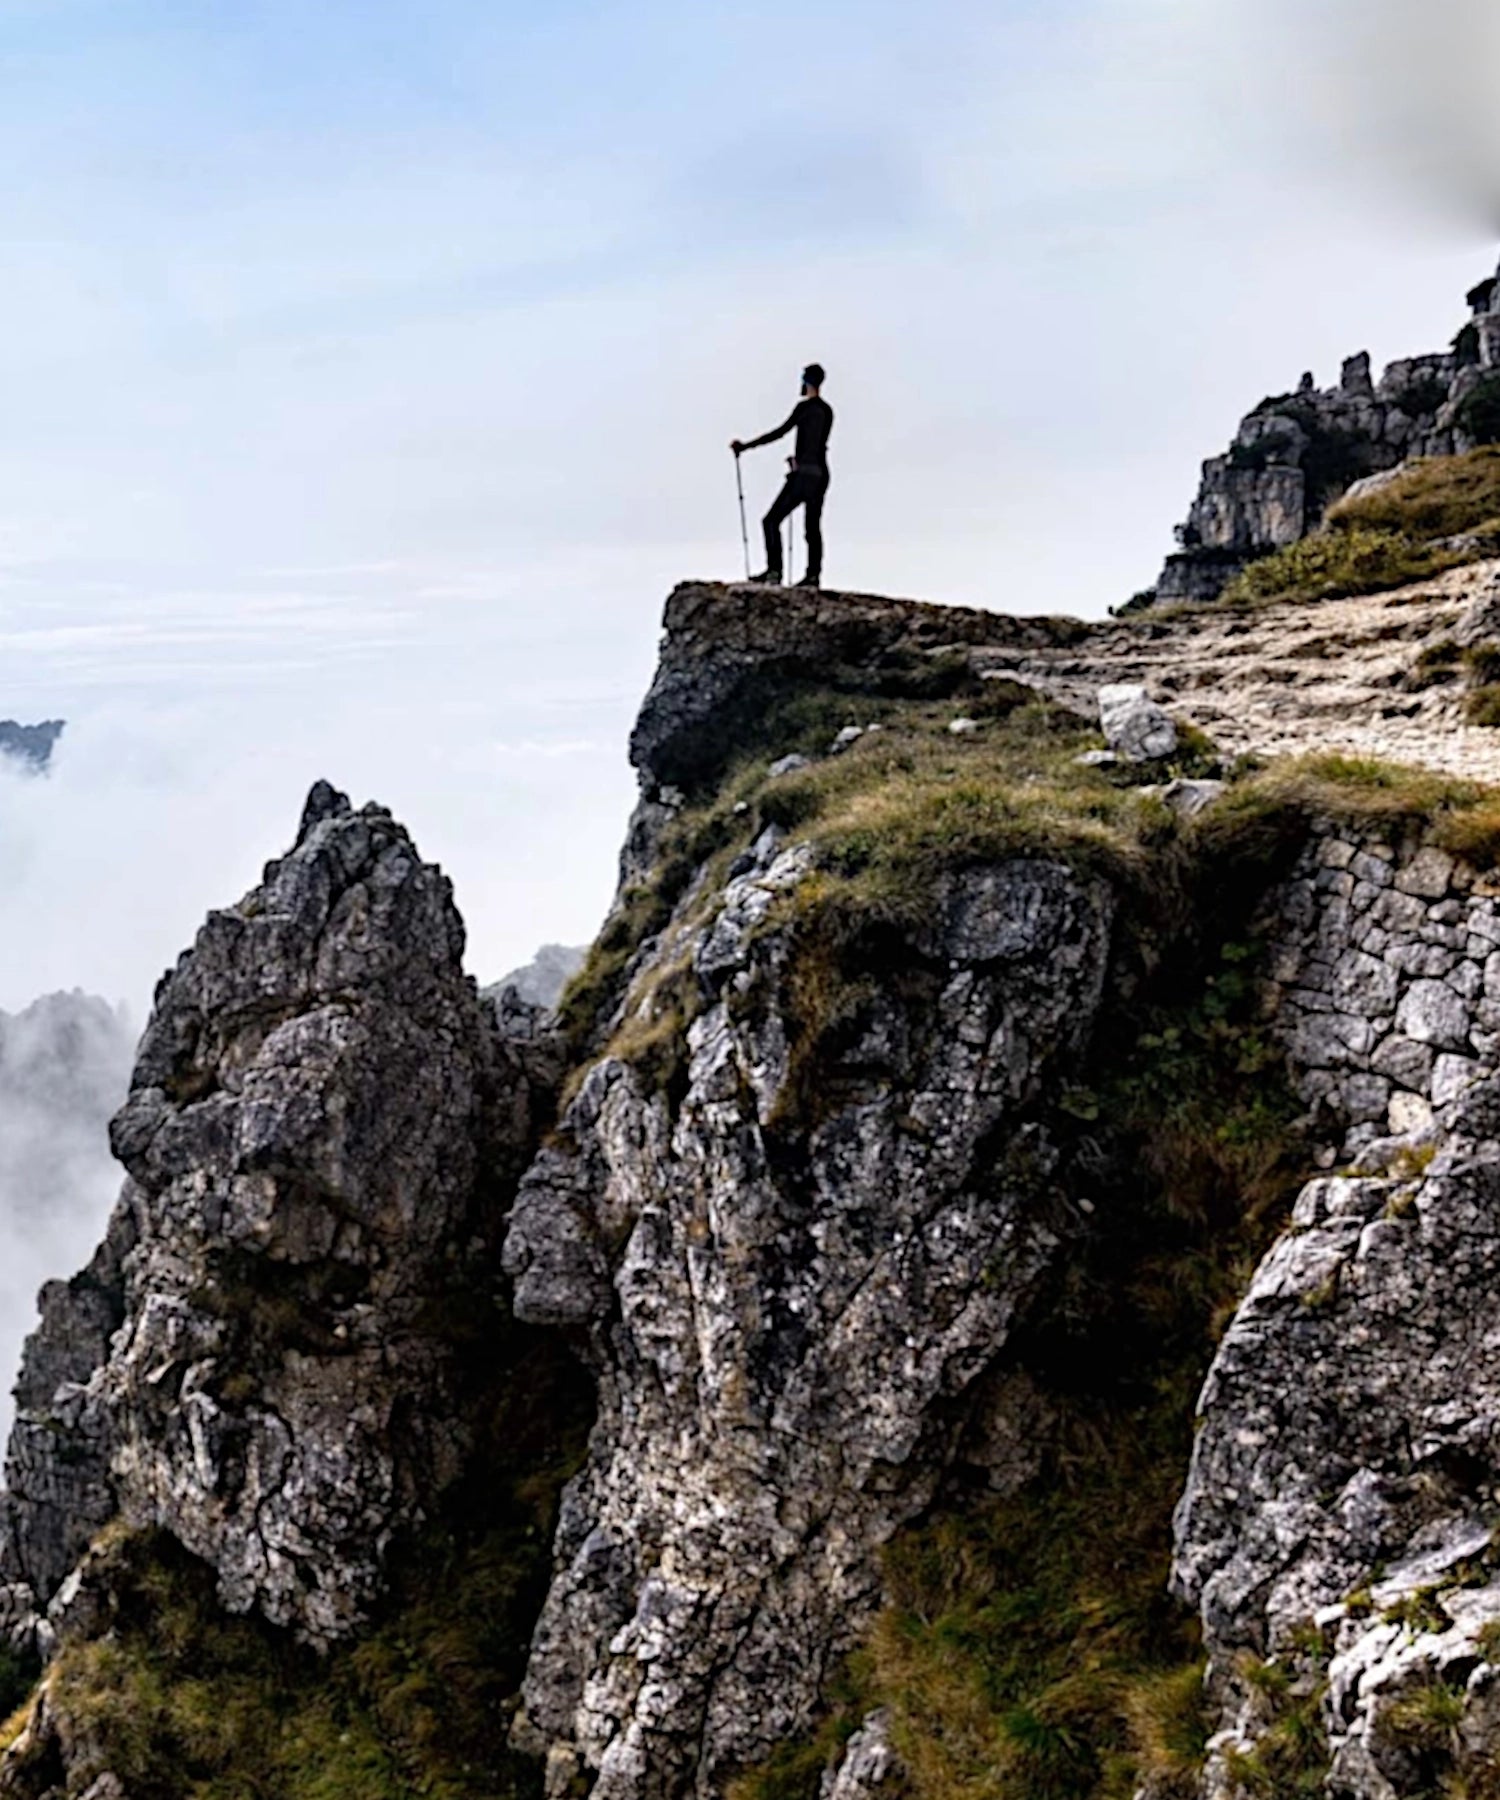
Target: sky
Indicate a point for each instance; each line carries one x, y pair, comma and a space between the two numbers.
368, 373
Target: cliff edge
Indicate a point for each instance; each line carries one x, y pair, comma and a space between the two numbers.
982, 1286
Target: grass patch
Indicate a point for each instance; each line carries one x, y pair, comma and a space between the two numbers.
188, 1703
1290, 1758
1335, 563
1437, 497
1396, 535
1482, 706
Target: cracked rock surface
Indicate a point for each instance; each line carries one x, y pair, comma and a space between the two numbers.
787, 1307
256, 1360
1339, 1509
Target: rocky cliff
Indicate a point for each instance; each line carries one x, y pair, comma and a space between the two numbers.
965, 1076
1295, 454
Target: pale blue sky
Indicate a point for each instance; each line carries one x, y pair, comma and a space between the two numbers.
366, 374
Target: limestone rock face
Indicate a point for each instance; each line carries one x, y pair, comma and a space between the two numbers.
788, 1298
257, 1360
1296, 453
726, 649
1339, 1511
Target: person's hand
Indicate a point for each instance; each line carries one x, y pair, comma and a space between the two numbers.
736, 446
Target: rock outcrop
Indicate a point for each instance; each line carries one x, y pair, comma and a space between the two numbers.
541, 981
320, 1121
1339, 1512
787, 1310
1296, 453
819, 1179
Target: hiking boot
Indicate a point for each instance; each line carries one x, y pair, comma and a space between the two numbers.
809, 581
769, 578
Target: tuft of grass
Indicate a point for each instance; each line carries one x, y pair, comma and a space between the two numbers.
1437, 497
1337, 562
1472, 833
1420, 1611
1482, 707
1290, 1758
1401, 533
1438, 665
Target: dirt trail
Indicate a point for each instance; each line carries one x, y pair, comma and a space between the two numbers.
1286, 679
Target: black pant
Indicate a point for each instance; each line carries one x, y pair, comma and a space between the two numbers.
807, 488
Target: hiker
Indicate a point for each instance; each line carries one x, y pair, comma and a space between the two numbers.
807, 479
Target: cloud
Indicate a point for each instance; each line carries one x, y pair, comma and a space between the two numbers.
64, 1067
1397, 98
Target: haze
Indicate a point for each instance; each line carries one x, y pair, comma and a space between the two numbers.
368, 373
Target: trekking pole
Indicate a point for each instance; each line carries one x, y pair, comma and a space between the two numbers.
791, 534
739, 482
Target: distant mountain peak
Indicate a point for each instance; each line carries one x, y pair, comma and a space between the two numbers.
30, 745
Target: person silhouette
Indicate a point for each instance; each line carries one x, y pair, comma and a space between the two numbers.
807, 478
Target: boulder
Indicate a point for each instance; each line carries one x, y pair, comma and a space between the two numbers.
1134, 726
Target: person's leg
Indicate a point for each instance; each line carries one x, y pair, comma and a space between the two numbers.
784, 503
817, 494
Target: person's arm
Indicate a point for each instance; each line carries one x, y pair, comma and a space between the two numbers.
770, 437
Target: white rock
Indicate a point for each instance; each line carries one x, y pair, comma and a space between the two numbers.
1408, 1113
1134, 724
1188, 798
1451, 1075
1427, 874
1432, 1013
